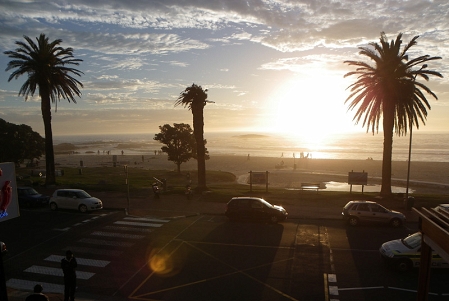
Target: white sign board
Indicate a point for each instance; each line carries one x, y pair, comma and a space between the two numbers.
9, 205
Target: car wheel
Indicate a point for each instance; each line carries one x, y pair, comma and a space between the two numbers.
274, 219
53, 206
395, 222
403, 265
82, 208
353, 221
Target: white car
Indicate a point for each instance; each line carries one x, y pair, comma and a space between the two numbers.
74, 199
405, 253
442, 207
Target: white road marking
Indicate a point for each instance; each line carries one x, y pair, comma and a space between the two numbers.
26, 285
130, 229
146, 219
332, 278
97, 251
333, 290
119, 235
80, 261
138, 224
106, 242
56, 272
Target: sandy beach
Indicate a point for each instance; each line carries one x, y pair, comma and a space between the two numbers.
425, 177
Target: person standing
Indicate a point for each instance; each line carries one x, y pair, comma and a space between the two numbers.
68, 265
37, 295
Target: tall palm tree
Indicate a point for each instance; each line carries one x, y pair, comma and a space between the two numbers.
389, 89
195, 98
46, 63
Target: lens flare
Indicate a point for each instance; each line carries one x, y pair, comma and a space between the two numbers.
160, 262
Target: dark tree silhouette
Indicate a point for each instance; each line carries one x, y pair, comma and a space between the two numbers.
19, 143
46, 63
179, 142
195, 98
389, 89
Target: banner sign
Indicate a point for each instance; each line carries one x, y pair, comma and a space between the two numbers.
258, 177
9, 205
357, 178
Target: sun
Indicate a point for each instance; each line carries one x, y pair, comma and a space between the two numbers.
311, 108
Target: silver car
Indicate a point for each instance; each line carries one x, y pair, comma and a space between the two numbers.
355, 212
76, 199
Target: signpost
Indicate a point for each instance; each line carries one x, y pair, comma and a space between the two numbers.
258, 177
357, 178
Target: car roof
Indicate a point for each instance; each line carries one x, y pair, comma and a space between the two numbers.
362, 201
68, 189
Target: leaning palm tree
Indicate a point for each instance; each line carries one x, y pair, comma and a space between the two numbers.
389, 89
46, 63
195, 98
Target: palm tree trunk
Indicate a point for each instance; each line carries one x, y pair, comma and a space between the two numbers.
50, 178
198, 132
388, 124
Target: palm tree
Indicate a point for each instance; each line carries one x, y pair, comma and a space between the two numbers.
389, 89
195, 98
45, 64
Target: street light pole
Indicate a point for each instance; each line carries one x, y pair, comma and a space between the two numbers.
410, 145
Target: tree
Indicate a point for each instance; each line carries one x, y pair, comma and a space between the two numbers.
389, 89
19, 143
46, 63
195, 98
179, 142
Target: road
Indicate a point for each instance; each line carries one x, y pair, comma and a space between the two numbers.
206, 258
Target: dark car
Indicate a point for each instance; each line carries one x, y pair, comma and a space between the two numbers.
254, 209
355, 212
28, 197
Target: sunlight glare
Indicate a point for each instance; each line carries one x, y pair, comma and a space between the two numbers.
311, 109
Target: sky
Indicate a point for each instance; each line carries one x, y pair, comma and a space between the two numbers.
268, 65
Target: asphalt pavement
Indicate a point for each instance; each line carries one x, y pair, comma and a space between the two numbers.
176, 206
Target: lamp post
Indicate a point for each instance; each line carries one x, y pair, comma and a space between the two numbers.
410, 145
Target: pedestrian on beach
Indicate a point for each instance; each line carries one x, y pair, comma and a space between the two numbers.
68, 265
37, 295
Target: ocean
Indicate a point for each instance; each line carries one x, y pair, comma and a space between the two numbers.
426, 147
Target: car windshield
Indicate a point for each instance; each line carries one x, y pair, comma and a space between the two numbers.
30, 191
412, 241
266, 203
82, 195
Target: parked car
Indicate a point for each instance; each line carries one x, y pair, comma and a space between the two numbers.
74, 199
2, 248
254, 209
404, 254
29, 197
355, 212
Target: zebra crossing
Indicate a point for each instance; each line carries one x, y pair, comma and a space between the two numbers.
120, 234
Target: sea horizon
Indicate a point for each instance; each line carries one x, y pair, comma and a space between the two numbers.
426, 147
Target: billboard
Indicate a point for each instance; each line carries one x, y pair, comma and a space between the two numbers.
9, 205
258, 177
357, 178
